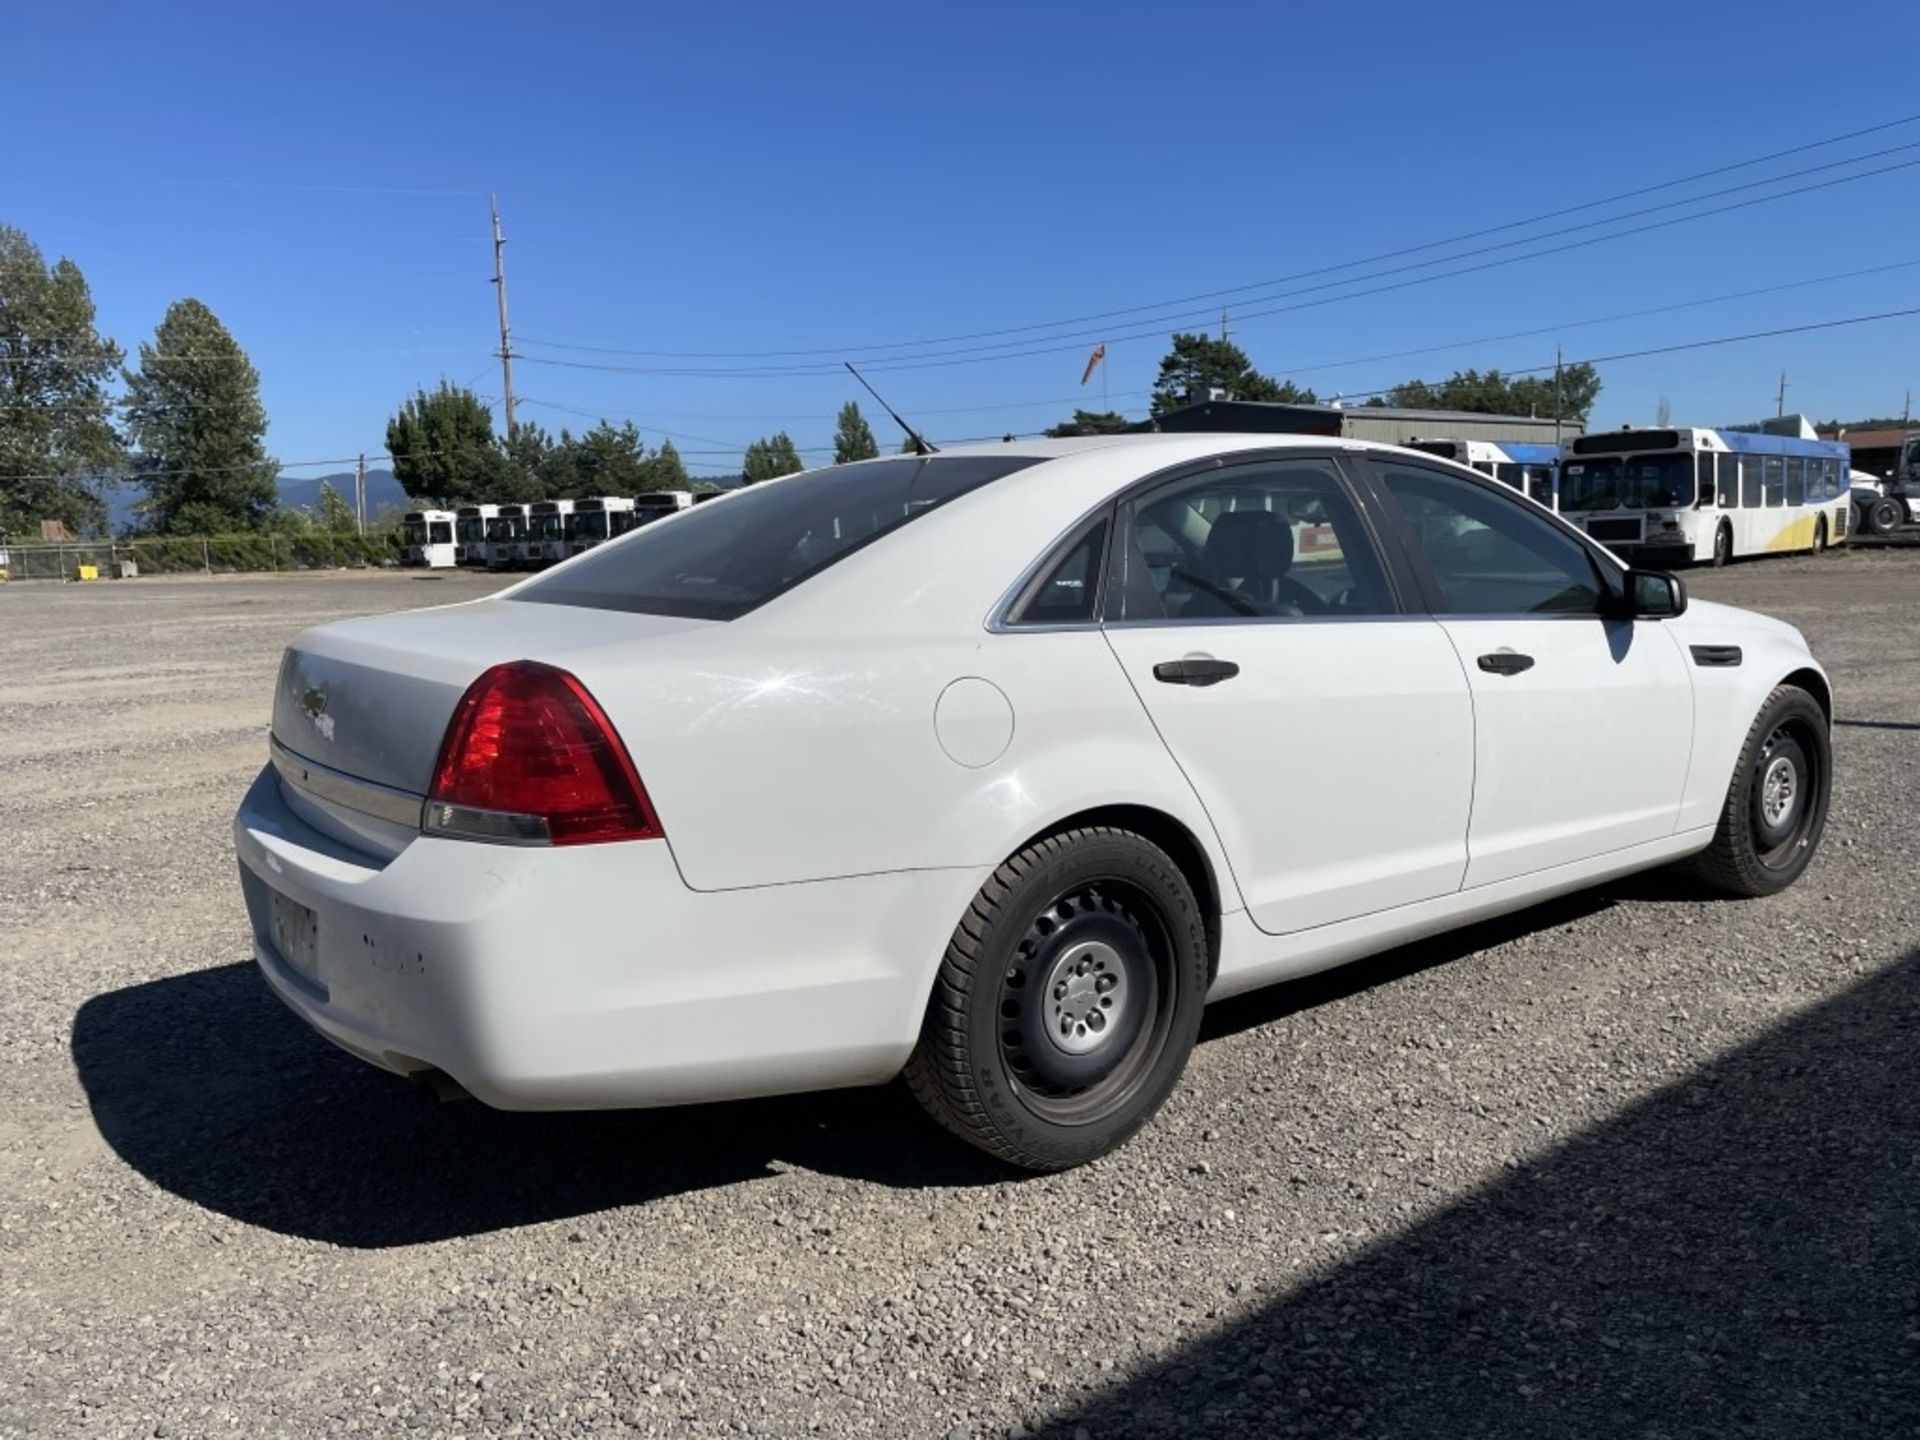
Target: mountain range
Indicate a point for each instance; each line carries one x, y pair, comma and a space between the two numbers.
298, 491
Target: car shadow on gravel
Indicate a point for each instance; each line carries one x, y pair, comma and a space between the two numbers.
1737, 1254
210, 1088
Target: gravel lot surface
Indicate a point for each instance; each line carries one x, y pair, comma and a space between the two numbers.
1633, 1164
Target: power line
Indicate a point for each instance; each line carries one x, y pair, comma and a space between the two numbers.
1156, 331
1214, 295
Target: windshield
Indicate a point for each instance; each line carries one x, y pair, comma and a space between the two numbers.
720, 561
550, 527
506, 527
1638, 482
592, 525
1910, 459
413, 532
469, 529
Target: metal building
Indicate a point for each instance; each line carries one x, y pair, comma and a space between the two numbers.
1361, 422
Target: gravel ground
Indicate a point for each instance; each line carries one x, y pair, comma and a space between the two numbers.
1635, 1163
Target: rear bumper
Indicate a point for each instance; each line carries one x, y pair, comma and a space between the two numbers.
591, 977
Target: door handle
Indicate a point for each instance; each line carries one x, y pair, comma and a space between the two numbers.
1195, 672
1505, 662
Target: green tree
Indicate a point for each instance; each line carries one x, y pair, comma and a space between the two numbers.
194, 413
769, 459
530, 457
1090, 422
1491, 393
664, 470
1199, 363
607, 460
443, 449
331, 513
57, 438
853, 440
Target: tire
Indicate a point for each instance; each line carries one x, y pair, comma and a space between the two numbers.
1776, 805
1820, 535
1067, 1003
1722, 545
1885, 516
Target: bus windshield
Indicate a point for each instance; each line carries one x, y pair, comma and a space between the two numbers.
591, 524
550, 527
470, 529
1639, 482
506, 527
413, 532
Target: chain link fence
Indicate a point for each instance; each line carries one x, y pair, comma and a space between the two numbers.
199, 555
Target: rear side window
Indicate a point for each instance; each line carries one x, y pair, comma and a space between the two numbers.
1070, 589
717, 562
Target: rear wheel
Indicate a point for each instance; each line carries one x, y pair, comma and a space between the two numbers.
1722, 544
1068, 1001
1776, 805
1886, 515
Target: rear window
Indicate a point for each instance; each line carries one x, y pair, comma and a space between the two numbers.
717, 562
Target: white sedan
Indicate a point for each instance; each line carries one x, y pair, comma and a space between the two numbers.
993, 766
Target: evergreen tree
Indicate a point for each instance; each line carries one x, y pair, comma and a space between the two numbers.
57, 439
1199, 363
769, 459
443, 449
1492, 393
530, 456
1090, 422
664, 470
194, 413
853, 440
331, 513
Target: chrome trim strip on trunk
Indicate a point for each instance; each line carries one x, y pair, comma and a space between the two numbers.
383, 802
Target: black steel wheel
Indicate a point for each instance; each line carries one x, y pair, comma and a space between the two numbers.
1886, 515
1722, 544
1776, 805
1068, 1000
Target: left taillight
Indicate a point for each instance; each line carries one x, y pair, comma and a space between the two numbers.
530, 758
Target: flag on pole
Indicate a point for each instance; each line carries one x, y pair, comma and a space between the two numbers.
1093, 361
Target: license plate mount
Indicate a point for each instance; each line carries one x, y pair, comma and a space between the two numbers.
296, 935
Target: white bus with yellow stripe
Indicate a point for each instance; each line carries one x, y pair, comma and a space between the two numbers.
1669, 496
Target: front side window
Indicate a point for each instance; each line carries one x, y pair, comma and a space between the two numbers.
1705, 496
1277, 539
1774, 469
717, 562
1488, 554
1727, 480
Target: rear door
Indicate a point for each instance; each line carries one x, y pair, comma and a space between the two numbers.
1583, 721
1328, 733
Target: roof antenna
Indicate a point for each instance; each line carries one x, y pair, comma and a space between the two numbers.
921, 445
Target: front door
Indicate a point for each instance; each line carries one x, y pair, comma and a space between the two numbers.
1583, 722
1329, 735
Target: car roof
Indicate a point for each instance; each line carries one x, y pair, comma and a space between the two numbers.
1173, 446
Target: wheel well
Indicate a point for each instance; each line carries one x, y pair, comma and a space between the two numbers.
1181, 847
1815, 684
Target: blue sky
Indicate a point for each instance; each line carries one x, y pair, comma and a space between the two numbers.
756, 177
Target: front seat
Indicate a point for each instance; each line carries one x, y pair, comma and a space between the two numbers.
1248, 552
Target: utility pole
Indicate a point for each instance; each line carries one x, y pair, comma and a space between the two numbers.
1783, 394
360, 496
1906, 413
506, 342
1557, 405
1223, 324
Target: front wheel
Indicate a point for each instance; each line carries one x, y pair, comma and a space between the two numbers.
1820, 535
1068, 1001
1776, 805
1722, 545
1885, 516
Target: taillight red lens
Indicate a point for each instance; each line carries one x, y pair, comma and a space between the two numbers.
528, 740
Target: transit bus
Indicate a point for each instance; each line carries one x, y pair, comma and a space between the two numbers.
1528, 468
470, 533
595, 519
546, 541
654, 505
426, 538
1678, 495
506, 533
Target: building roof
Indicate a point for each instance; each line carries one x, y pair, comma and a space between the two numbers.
1882, 437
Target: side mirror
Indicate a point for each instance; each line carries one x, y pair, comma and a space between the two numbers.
1654, 595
